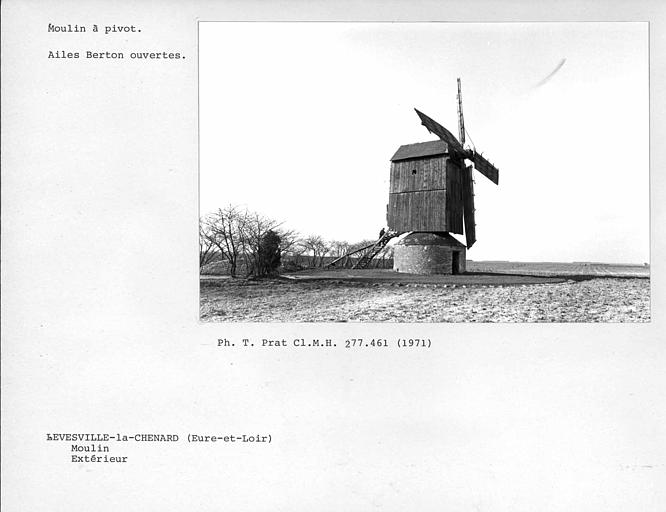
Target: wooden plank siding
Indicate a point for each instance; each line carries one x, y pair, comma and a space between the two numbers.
422, 174
426, 194
417, 211
417, 198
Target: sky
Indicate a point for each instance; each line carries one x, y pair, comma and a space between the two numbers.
298, 121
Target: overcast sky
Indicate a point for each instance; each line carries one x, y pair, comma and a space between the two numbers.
299, 120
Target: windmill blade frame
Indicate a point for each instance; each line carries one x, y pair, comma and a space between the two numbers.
444, 134
468, 205
458, 154
482, 165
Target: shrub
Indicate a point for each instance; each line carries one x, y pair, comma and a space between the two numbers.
268, 259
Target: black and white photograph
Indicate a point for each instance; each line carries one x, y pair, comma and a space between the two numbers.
430, 268
424, 172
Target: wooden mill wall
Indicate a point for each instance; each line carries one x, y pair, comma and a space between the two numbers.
417, 195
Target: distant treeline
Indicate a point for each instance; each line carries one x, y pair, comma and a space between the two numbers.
235, 241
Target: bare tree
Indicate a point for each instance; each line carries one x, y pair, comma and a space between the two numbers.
361, 244
253, 230
206, 245
291, 247
289, 241
239, 237
295, 250
224, 229
318, 247
340, 248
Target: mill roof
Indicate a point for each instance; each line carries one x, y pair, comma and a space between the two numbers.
420, 149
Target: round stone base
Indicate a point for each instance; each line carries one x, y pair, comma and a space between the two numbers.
429, 253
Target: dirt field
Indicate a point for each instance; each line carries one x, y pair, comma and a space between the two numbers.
577, 270
422, 300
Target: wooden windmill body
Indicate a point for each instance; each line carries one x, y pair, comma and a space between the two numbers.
432, 195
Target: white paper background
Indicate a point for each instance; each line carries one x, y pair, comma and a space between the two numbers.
101, 333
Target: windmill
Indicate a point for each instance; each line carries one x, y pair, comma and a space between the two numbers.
458, 151
432, 194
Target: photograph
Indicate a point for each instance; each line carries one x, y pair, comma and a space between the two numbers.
424, 172
430, 249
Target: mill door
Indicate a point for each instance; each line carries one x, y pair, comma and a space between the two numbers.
455, 262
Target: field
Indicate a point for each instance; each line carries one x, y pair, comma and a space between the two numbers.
573, 270
492, 292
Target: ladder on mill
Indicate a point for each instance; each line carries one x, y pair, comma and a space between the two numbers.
366, 253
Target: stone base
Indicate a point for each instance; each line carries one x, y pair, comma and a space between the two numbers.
429, 253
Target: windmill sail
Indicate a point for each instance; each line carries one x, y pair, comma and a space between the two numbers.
480, 163
458, 152
468, 206
444, 134
484, 166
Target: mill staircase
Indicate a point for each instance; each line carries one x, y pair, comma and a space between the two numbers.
365, 260
365, 254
